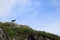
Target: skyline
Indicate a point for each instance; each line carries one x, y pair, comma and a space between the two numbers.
38, 14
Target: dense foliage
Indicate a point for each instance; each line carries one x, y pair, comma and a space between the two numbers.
23, 29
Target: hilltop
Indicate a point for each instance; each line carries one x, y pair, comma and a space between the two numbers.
14, 31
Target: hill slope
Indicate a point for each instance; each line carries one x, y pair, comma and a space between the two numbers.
13, 31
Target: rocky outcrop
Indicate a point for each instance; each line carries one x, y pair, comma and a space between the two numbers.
13, 31
3, 35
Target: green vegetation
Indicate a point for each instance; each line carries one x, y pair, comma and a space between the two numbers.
15, 31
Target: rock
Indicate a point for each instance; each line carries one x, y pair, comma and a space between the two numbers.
47, 39
24, 34
3, 36
41, 38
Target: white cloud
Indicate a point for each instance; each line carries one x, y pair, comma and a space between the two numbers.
55, 28
26, 6
24, 1
6, 7
52, 28
23, 6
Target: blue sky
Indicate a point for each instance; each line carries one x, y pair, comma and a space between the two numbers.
38, 14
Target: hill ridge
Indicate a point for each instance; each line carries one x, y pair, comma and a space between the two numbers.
14, 31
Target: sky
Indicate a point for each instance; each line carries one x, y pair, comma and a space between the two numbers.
41, 15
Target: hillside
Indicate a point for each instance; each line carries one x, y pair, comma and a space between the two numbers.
14, 31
